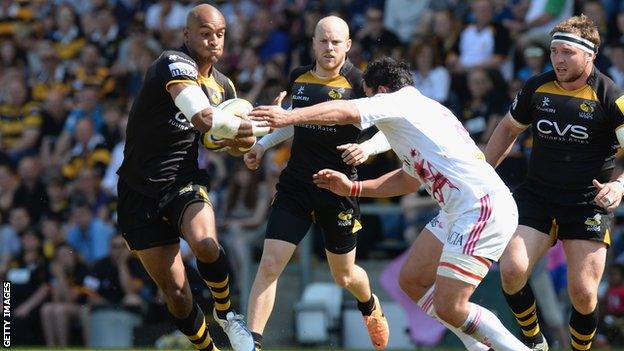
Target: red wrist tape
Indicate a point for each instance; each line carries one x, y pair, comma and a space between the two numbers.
356, 189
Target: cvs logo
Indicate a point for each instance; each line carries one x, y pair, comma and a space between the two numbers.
545, 126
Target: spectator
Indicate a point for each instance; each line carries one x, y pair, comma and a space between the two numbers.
430, 77
54, 114
88, 107
8, 186
20, 121
270, 41
66, 36
53, 236
58, 203
31, 192
594, 9
484, 106
482, 44
375, 39
109, 181
87, 188
165, 16
68, 295
237, 11
446, 30
617, 34
92, 70
89, 235
404, 16
29, 290
19, 222
105, 33
535, 62
541, 16
89, 151
250, 70
11, 57
616, 72
612, 318
136, 53
50, 75
110, 128
117, 279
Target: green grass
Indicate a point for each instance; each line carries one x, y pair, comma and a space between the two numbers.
278, 349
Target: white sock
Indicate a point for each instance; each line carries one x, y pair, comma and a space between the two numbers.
484, 326
469, 342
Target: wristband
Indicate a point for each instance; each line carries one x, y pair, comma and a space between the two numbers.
356, 189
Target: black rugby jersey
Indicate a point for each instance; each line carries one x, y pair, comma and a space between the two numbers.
313, 146
161, 145
574, 137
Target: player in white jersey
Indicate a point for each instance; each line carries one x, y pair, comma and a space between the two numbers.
477, 217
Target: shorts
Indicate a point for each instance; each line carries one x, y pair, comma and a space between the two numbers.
297, 205
483, 230
146, 222
565, 215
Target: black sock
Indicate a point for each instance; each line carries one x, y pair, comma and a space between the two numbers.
367, 307
524, 308
257, 337
215, 274
195, 328
582, 329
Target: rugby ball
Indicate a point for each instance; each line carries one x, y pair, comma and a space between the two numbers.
238, 107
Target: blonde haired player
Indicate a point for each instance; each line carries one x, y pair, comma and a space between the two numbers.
454, 252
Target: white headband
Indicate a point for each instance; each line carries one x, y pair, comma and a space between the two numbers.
574, 40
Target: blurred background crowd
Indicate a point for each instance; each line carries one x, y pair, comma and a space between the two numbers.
69, 70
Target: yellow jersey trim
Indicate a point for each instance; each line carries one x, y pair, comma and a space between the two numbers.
335, 82
585, 92
185, 81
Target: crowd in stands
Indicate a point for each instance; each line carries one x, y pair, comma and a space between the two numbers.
70, 69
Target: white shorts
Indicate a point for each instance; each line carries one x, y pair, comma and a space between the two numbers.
482, 231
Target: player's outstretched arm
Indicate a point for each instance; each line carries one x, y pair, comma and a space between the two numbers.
356, 154
326, 113
501, 141
393, 183
194, 104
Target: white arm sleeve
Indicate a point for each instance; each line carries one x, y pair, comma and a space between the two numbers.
376, 145
191, 100
276, 137
620, 136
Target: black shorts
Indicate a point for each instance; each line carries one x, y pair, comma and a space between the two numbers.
146, 222
563, 214
297, 205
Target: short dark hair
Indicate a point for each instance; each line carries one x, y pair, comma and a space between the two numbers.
388, 72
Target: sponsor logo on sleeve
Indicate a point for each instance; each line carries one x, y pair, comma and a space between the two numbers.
182, 69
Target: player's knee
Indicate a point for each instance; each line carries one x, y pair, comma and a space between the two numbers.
343, 278
514, 274
412, 284
177, 295
270, 267
450, 311
583, 299
206, 250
